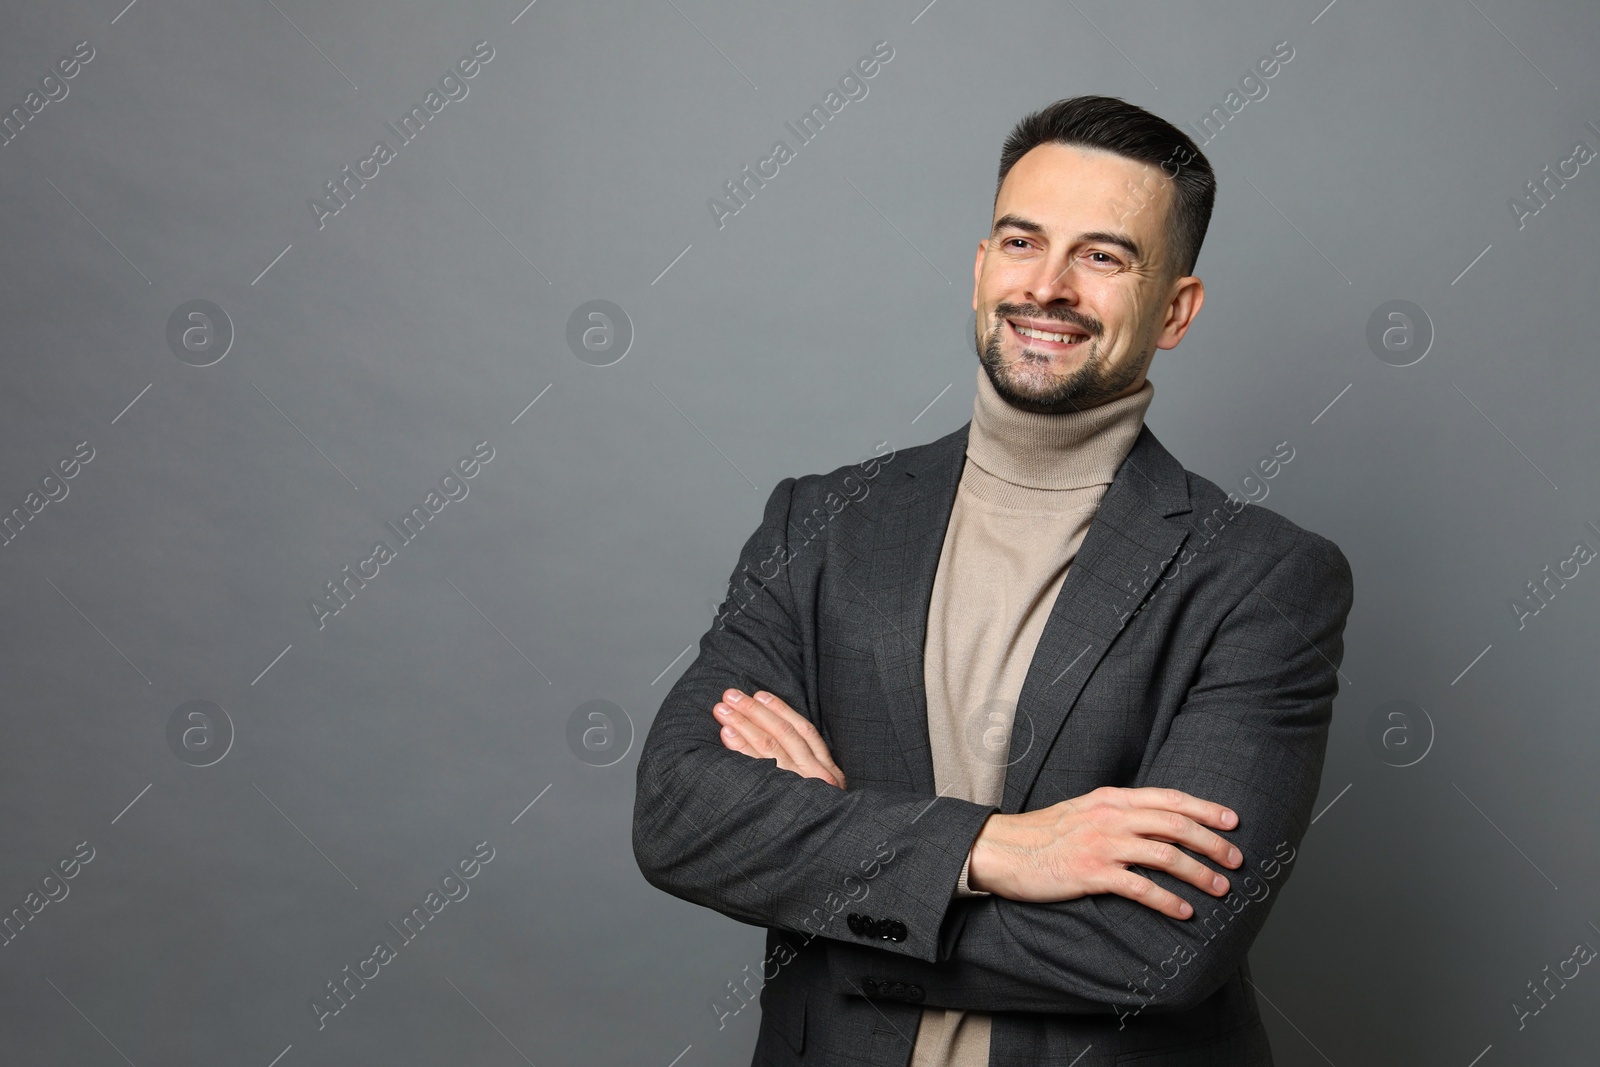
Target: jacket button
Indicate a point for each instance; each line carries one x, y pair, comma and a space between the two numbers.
869, 987
855, 922
897, 930
914, 993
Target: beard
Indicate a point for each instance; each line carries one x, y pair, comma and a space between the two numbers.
1019, 383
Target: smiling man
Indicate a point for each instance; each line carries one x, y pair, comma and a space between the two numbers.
1010, 758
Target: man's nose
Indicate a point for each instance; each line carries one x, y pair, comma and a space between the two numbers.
1055, 281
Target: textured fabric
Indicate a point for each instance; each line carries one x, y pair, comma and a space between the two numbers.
1194, 644
1027, 494
962, 888
1073, 450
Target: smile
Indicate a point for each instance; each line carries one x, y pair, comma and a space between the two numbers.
1065, 340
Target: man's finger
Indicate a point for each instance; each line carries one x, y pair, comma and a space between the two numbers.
764, 743
731, 738
771, 739
772, 728
1201, 811
784, 723
803, 726
755, 742
1161, 856
1141, 890
1178, 829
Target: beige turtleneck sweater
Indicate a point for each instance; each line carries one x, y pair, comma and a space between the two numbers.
1028, 491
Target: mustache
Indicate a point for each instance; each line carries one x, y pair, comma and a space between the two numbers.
1005, 310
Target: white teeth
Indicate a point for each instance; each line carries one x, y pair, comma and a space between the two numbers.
1059, 338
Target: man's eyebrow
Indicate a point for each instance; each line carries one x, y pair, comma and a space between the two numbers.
1015, 222
1121, 240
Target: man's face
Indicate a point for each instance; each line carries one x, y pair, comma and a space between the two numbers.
1079, 248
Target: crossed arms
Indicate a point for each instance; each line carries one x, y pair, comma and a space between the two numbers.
1067, 927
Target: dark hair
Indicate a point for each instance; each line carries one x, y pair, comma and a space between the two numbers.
1113, 125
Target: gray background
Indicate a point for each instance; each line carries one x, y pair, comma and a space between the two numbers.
831, 313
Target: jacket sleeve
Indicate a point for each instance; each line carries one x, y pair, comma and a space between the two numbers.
761, 844
1250, 734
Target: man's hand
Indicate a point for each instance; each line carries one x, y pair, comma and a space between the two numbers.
1085, 845
1068, 850
764, 727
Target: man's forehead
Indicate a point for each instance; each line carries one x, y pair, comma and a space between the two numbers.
1074, 188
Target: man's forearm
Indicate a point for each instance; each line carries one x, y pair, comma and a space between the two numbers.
1088, 845
767, 847
1108, 954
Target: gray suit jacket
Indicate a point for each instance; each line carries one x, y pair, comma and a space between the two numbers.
1194, 644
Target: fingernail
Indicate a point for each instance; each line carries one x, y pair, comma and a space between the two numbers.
1234, 857
1184, 910
733, 697
765, 698
728, 731
1219, 883
723, 710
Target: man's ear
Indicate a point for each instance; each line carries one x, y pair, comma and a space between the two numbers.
977, 270
1186, 302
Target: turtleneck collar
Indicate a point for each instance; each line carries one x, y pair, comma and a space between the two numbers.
1071, 450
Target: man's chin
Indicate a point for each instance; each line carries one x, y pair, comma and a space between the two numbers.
1028, 375
1030, 382
1044, 393
1032, 392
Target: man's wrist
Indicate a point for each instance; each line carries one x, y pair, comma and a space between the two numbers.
963, 885
985, 865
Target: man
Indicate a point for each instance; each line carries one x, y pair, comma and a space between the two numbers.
1009, 739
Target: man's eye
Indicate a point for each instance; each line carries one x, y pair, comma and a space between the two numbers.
1105, 261
1013, 242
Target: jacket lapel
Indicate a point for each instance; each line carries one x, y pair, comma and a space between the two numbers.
1127, 545
904, 562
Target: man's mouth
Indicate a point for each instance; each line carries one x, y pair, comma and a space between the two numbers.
1063, 335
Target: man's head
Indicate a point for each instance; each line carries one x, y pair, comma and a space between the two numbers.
1099, 213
